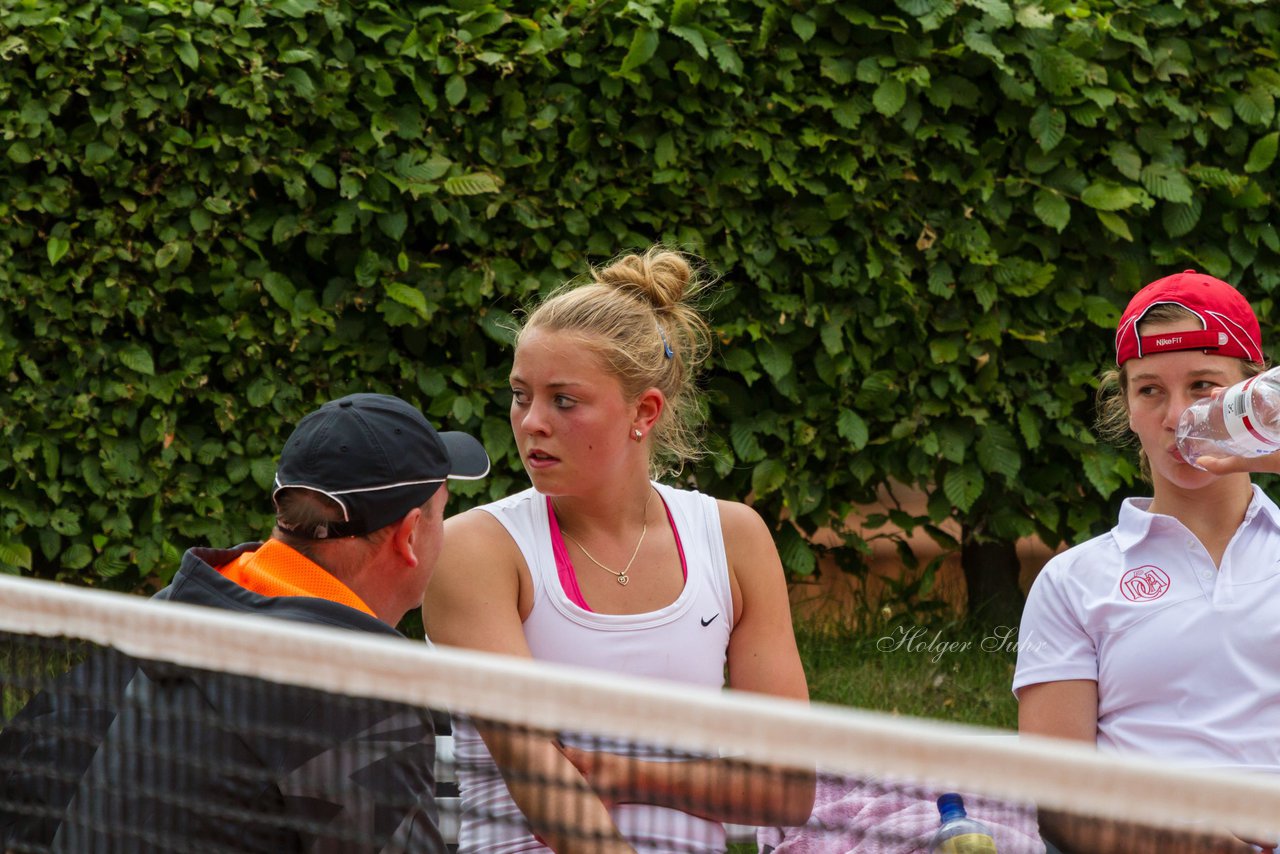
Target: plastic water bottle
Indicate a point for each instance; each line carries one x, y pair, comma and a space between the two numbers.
960, 834
1243, 421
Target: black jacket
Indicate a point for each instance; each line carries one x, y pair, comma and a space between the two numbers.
120, 755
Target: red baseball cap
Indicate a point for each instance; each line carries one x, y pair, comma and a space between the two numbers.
1230, 326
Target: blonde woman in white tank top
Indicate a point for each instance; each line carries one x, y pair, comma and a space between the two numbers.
600, 566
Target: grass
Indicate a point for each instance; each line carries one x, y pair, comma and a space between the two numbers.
959, 671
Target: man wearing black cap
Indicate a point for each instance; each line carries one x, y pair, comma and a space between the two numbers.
173, 760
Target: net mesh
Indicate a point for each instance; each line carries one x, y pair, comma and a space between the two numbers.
135, 725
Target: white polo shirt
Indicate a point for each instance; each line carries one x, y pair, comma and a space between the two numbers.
1186, 655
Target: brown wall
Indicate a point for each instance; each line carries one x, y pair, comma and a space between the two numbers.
840, 597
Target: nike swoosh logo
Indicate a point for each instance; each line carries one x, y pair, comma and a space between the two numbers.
706, 623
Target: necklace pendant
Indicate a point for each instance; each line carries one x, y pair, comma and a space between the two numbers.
622, 579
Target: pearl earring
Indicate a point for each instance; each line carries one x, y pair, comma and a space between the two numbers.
638, 435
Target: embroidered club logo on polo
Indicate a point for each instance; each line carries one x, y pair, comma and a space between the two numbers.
1144, 584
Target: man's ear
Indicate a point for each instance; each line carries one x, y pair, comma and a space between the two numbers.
405, 537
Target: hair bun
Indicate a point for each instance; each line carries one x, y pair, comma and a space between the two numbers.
660, 276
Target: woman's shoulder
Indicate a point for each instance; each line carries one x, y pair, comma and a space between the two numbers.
738, 518
1093, 560
482, 528
514, 501
479, 554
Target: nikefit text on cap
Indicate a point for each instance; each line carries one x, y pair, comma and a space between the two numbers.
377, 457
1230, 326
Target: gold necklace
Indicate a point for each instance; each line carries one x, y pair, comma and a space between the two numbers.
621, 576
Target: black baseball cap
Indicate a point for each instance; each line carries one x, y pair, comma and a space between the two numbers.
377, 456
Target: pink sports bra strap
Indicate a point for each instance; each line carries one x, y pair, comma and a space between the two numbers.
564, 564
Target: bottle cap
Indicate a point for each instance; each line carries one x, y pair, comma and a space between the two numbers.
951, 805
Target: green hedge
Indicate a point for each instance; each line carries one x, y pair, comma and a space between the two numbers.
214, 216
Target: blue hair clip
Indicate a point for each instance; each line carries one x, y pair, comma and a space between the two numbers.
666, 348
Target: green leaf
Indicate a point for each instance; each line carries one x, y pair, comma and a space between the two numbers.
683, 11
837, 69
260, 391
237, 469
1179, 220
263, 470
1059, 70
795, 552
56, 248
804, 26
853, 429
78, 556
1101, 311
1126, 159
137, 358
963, 486
98, 152
890, 96
472, 184
1255, 107
65, 521
727, 58
324, 176
776, 359
200, 219
14, 556
393, 224
644, 44
280, 289
664, 151
1052, 208
409, 297
373, 30
998, 451
1034, 17
746, 447
1048, 126
1263, 153
768, 476
1213, 176
298, 8
186, 52
1029, 426
20, 152
1099, 470
1115, 224
1212, 260
165, 255
953, 442
694, 38
455, 89
945, 350
1109, 196
1166, 182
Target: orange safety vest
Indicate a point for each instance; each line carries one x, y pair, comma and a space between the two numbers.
274, 569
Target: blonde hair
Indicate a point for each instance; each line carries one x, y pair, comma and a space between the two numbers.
1113, 389
639, 314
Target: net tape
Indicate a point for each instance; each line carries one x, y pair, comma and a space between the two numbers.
531, 694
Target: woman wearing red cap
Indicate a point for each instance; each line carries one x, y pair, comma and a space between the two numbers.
1159, 637
600, 566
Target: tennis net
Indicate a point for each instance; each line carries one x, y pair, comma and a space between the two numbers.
135, 725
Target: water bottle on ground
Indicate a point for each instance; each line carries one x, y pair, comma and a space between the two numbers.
1243, 421
960, 834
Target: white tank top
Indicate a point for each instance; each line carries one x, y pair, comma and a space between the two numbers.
685, 641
